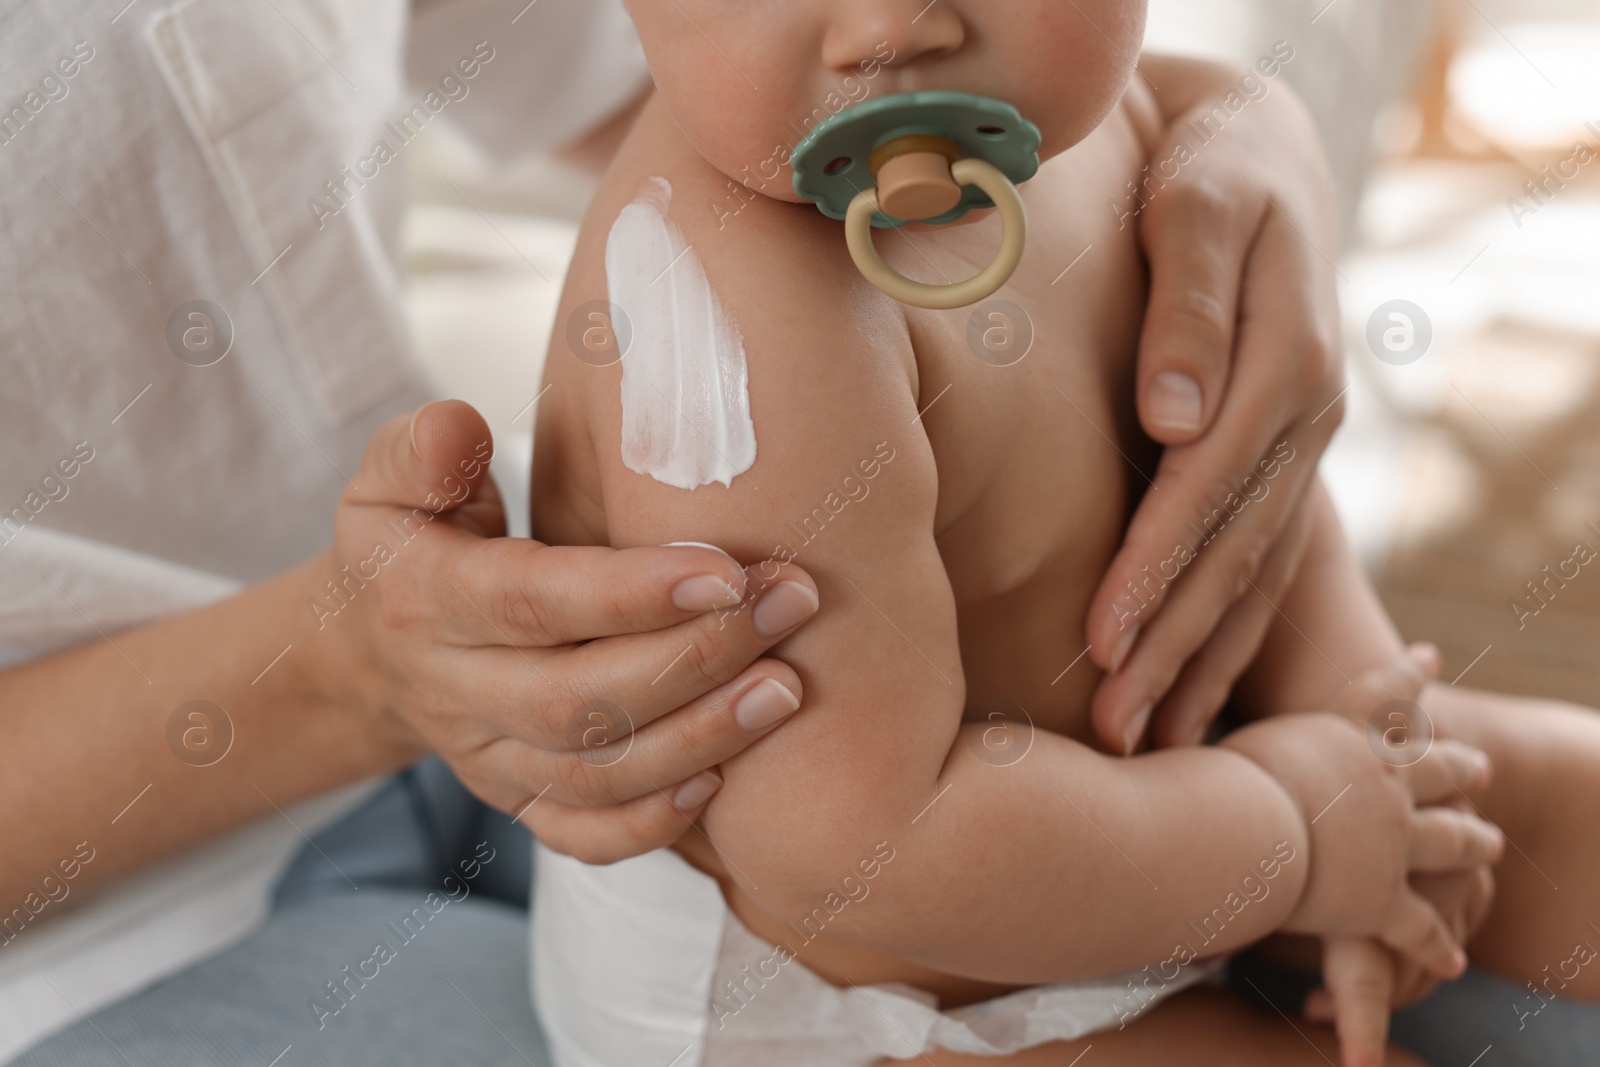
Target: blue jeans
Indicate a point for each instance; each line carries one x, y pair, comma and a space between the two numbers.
1474, 1020
453, 987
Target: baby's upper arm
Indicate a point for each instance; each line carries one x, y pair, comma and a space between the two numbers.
841, 480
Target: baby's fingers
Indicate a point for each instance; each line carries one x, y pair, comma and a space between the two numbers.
1417, 932
1359, 975
1403, 679
1445, 840
1449, 770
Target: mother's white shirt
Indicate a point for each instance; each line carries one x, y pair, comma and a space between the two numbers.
157, 155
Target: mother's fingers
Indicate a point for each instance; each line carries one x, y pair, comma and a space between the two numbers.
1208, 678
1197, 239
1281, 407
606, 835
1218, 564
516, 592
613, 766
563, 700
651, 674
1279, 412
431, 459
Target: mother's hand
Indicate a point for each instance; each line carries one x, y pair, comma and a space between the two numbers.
589, 692
1240, 377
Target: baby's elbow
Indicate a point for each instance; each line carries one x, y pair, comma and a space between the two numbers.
811, 837
826, 890
806, 868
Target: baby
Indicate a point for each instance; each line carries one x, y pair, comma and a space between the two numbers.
934, 859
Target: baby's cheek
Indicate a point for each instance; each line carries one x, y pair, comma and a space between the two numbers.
758, 161
1071, 66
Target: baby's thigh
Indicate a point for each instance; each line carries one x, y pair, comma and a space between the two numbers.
1543, 795
1546, 757
1197, 1028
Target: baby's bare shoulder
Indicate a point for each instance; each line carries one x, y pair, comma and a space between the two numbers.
752, 335
780, 271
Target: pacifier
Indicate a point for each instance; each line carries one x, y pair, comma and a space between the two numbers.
921, 157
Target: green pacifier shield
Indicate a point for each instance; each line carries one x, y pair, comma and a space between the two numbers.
830, 165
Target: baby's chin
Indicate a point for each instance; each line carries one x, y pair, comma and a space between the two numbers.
761, 172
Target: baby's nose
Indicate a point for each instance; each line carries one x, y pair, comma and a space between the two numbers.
889, 33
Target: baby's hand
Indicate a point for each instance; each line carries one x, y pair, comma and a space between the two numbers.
1360, 976
1367, 834
1364, 981
1363, 978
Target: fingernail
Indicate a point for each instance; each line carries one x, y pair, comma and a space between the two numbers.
696, 791
703, 592
1175, 401
412, 432
1119, 655
698, 544
1135, 728
786, 606
767, 703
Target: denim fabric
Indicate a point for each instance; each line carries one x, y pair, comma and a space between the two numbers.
1478, 1019
451, 988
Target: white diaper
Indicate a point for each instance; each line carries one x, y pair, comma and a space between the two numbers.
643, 963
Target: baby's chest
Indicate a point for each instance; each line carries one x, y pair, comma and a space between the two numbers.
1038, 476
1028, 402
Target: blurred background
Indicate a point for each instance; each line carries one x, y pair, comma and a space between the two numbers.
1465, 139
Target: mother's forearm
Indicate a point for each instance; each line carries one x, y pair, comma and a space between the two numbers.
1064, 865
100, 757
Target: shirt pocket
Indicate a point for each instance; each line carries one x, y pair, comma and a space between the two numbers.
289, 101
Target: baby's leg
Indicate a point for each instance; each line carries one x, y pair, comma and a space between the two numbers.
1197, 1028
1545, 794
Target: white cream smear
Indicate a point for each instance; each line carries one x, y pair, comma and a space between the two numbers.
685, 388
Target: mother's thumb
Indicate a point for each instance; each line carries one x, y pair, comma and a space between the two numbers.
433, 458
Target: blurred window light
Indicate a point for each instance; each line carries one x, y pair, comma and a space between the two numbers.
1532, 85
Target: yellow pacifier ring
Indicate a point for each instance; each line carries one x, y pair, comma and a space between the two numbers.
1014, 238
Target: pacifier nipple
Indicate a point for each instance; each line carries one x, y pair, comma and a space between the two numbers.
914, 179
